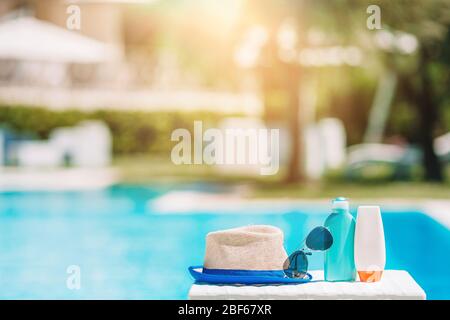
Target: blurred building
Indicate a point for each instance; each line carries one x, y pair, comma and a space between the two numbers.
101, 21
37, 49
45, 63
7, 6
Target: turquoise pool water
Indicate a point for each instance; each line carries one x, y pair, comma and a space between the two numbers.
126, 251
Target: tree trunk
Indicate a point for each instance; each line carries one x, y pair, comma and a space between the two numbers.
295, 169
428, 116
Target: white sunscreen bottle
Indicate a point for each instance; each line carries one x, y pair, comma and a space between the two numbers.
370, 249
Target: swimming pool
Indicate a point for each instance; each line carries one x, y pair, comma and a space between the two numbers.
127, 251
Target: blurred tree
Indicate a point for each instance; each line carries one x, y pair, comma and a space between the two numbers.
344, 21
422, 83
208, 51
281, 78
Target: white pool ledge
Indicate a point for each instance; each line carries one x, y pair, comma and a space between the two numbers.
395, 285
57, 179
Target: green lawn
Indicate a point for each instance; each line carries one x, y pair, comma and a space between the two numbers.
161, 171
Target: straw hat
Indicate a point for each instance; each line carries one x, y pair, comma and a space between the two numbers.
247, 255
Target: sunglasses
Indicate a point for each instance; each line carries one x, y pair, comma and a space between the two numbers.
296, 265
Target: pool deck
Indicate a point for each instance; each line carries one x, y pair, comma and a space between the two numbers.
180, 202
188, 202
55, 179
438, 210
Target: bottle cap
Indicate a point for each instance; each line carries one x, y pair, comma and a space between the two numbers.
340, 203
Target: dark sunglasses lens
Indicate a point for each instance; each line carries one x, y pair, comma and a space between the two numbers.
296, 265
319, 238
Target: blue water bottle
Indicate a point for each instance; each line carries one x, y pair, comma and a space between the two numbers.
339, 259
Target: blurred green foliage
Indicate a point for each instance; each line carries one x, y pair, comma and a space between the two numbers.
133, 132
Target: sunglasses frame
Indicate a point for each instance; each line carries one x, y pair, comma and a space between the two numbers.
291, 272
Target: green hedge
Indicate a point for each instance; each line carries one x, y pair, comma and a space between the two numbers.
133, 131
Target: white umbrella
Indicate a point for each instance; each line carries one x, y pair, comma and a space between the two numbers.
30, 39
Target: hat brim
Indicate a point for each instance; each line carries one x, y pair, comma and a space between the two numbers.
201, 277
